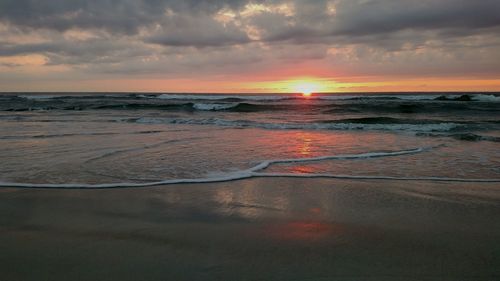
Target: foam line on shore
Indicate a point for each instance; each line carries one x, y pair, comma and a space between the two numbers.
253, 172
265, 164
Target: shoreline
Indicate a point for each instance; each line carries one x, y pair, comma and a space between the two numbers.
173, 182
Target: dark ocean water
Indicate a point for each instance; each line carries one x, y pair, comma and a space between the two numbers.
114, 140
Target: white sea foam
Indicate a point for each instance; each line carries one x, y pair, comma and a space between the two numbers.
486, 98
415, 97
214, 106
38, 97
473, 97
439, 127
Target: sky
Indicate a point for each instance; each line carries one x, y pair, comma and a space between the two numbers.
245, 46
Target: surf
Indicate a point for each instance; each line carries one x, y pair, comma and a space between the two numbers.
256, 171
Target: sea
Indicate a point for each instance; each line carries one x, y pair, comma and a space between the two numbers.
93, 140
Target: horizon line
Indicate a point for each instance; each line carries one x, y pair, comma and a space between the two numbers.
238, 93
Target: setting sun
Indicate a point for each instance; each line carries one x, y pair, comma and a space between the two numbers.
306, 88
303, 85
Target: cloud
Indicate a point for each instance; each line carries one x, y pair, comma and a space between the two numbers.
125, 16
201, 31
352, 19
222, 37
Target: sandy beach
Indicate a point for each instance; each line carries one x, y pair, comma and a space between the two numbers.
255, 229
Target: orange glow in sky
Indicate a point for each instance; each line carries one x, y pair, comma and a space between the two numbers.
306, 88
252, 84
311, 84
302, 85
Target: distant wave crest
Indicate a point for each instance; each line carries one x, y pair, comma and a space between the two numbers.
214, 106
275, 97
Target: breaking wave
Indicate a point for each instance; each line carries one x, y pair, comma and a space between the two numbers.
46, 136
463, 136
471, 104
347, 124
214, 106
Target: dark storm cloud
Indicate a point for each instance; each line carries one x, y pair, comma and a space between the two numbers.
311, 23
12, 50
113, 15
67, 52
61, 15
381, 17
201, 31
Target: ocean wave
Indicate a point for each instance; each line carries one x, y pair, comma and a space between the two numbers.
214, 106
469, 97
274, 97
463, 136
323, 104
224, 97
133, 105
265, 164
137, 106
406, 97
254, 172
487, 98
38, 97
433, 127
386, 120
45, 136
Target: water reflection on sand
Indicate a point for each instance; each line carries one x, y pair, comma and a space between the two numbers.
262, 229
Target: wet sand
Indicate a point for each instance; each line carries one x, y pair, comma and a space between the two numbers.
255, 229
